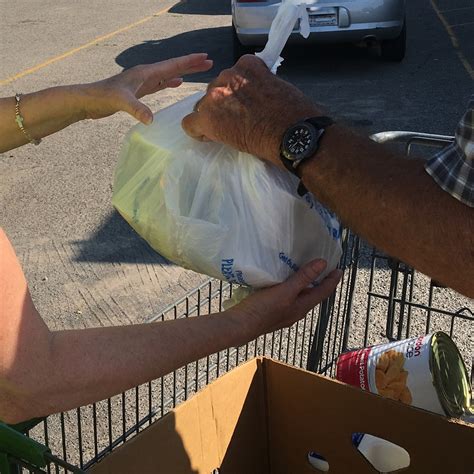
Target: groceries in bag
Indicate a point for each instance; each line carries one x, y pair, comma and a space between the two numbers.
217, 211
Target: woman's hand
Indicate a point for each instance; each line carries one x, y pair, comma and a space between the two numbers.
50, 110
282, 305
123, 91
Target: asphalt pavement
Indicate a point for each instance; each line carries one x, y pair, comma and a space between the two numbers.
85, 266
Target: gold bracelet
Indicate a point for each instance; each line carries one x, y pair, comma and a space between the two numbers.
19, 120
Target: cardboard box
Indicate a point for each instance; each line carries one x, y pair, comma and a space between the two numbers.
264, 417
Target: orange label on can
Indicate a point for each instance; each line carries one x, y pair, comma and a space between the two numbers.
397, 370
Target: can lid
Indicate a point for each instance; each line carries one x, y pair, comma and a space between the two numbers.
449, 375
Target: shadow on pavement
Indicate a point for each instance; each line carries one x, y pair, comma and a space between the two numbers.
116, 242
304, 64
315, 60
217, 42
200, 7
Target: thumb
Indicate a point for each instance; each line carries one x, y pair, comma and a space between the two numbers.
192, 126
138, 110
305, 276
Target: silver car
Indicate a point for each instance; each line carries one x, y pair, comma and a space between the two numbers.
343, 21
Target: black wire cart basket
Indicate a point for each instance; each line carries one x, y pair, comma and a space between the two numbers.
379, 299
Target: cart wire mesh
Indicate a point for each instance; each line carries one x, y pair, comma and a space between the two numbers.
379, 299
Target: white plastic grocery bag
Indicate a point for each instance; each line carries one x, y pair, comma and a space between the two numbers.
217, 211
289, 13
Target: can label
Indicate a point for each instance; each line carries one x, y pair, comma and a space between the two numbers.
397, 370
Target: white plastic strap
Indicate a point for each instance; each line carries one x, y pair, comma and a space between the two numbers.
289, 12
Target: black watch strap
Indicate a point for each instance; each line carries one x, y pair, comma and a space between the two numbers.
320, 122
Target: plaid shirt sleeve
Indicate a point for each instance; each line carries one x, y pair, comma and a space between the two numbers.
453, 167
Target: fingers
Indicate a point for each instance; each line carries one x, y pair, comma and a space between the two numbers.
182, 65
196, 124
175, 82
305, 276
157, 85
308, 298
314, 296
251, 62
138, 110
154, 77
192, 125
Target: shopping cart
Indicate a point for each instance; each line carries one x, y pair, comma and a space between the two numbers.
379, 299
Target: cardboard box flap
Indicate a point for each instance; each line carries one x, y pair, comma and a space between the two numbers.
213, 428
309, 412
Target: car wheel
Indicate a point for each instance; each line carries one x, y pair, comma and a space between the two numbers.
394, 50
239, 49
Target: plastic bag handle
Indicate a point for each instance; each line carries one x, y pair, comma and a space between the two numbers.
289, 12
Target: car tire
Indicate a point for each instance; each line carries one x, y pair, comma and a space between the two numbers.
239, 49
394, 50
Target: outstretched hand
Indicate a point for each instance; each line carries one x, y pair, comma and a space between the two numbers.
123, 91
282, 305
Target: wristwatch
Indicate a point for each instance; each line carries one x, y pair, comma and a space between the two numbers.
301, 141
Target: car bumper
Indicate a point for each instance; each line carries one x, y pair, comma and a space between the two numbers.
252, 23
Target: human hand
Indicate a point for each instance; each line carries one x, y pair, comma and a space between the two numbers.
282, 305
249, 108
123, 91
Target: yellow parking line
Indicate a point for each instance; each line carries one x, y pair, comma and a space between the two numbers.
84, 46
466, 64
454, 40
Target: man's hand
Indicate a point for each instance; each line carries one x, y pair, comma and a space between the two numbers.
282, 305
249, 108
121, 92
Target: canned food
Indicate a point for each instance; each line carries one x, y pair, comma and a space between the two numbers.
426, 372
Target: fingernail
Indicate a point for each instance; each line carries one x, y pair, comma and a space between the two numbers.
147, 119
319, 265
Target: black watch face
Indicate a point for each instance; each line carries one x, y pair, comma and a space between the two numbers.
300, 141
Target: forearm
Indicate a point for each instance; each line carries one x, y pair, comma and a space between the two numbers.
43, 372
395, 205
44, 113
89, 365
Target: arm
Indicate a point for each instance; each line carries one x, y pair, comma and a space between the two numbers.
43, 372
48, 111
395, 205
389, 200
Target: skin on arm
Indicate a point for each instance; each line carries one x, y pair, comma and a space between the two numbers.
48, 111
44, 372
387, 199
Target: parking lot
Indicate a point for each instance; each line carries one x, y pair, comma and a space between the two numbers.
85, 266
